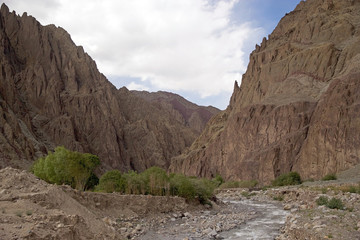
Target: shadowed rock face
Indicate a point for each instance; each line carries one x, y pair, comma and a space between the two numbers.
297, 108
51, 94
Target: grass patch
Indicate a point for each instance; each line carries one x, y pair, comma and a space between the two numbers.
291, 178
18, 213
278, 198
322, 200
29, 212
248, 194
333, 203
329, 177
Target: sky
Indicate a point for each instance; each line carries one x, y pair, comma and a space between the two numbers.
195, 48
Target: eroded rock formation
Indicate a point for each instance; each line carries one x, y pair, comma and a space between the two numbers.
51, 94
297, 108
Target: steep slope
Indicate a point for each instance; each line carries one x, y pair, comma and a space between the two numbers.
297, 108
185, 112
51, 93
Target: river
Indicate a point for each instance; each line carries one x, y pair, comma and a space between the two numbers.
265, 226
265, 222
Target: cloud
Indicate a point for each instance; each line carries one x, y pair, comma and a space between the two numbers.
187, 45
135, 86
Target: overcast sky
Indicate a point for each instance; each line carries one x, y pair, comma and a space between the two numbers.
196, 48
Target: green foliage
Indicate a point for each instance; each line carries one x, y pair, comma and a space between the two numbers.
92, 182
111, 181
335, 203
182, 186
322, 200
156, 180
66, 167
136, 183
291, 178
218, 180
29, 212
329, 177
278, 198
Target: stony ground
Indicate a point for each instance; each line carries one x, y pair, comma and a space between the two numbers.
33, 209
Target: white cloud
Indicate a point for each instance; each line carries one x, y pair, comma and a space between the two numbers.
135, 86
187, 45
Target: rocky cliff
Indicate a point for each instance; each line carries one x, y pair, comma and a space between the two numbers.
51, 94
297, 108
187, 113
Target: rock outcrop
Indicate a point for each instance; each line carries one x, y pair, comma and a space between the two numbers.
187, 113
297, 108
51, 94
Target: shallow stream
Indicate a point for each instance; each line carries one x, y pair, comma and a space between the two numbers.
266, 225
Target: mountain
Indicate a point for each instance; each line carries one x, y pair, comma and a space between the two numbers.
51, 93
187, 113
297, 108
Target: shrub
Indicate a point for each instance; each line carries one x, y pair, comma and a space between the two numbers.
322, 200
218, 180
66, 167
329, 177
182, 186
291, 178
136, 183
204, 189
335, 203
111, 181
156, 180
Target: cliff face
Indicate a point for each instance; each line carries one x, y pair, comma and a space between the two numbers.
51, 94
185, 112
297, 108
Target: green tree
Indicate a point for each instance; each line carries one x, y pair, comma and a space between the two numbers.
112, 181
66, 167
157, 181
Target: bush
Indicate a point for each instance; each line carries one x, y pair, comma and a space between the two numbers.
329, 177
182, 186
291, 178
335, 203
218, 180
156, 180
66, 167
136, 183
112, 181
322, 200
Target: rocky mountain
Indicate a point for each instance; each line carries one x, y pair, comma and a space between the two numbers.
187, 113
51, 93
297, 108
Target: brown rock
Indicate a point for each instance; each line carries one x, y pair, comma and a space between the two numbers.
51, 94
297, 108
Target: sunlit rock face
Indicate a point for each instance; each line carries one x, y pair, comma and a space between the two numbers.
51, 93
297, 108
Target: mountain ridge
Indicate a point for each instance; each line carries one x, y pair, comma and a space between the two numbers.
296, 108
51, 93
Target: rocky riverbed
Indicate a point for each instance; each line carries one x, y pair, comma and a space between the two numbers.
33, 209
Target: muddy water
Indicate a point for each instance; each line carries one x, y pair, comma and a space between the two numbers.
266, 225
